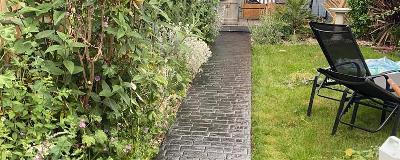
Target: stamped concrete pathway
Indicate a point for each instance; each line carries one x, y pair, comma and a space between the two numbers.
214, 120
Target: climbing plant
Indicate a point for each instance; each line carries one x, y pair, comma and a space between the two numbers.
89, 79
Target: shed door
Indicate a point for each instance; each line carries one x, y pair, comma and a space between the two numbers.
230, 12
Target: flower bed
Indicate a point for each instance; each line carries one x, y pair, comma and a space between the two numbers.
95, 79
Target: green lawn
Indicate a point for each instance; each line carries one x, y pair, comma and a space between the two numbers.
281, 130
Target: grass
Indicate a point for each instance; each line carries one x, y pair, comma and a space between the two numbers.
280, 128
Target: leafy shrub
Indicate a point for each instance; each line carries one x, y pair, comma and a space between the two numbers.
197, 53
296, 14
91, 79
289, 22
202, 15
272, 30
385, 26
359, 18
378, 19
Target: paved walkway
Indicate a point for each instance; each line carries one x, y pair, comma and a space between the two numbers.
214, 120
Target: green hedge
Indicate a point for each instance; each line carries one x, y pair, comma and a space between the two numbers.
359, 18
94, 79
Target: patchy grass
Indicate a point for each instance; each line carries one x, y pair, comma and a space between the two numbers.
281, 130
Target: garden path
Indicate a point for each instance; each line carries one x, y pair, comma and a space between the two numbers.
214, 120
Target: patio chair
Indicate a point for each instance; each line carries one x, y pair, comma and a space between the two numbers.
334, 49
364, 88
337, 43
344, 57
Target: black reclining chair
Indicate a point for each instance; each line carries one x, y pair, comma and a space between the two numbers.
348, 68
344, 47
365, 89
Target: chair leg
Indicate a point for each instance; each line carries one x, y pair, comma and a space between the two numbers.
310, 104
383, 115
396, 123
340, 110
354, 115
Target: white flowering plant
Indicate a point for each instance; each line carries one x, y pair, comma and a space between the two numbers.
197, 53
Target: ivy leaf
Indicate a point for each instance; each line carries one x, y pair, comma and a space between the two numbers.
54, 48
17, 21
11, 114
134, 34
44, 34
52, 68
137, 78
77, 92
96, 118
77, 69
146, 18
7, 80
100, 136
63, 145
130, 85
28, 9
114, 106
111, 30
20, 125
161, 79
116, 88
122, 22
162, 13
69, 65
78, 45
22, 47
58, 16
88, 140
63, 36
106, 92
57, 3
125, 97
120, 33
44, 8
151, 115
95, 97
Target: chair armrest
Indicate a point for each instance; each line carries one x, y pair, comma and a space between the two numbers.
388, 72
379, 75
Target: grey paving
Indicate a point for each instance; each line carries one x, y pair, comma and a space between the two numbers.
214, 121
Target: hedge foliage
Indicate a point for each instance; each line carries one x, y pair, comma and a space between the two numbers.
288, 22
360, 20
94, 79
376, 20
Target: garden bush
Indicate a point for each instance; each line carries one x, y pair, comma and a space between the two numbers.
94, 79
359, 18
270, 31
296, 14
197, 52
385, 26
288, 22
376, 20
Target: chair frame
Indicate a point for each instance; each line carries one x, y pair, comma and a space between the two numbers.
355, 98
393, 106
327, 83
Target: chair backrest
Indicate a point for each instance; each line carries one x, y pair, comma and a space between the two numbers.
361, 85
340, 49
